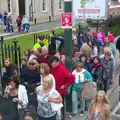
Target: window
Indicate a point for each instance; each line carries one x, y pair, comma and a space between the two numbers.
9, 6
44, 5
60, 4
33, 4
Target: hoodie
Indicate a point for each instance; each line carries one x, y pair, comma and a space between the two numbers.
62, 77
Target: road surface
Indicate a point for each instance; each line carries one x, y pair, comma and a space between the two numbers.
38, 27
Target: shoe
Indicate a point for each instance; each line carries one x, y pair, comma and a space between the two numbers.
81, 113
86, 108
72, 115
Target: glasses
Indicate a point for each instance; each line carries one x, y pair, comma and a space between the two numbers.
31, 63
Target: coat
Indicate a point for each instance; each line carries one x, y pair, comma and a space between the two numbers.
6, 109
85, 49
22, 96
62, 77
105, 113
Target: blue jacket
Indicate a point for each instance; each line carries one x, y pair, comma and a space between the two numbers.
29, 76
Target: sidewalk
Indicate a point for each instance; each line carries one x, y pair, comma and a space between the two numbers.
113, 92
38, 27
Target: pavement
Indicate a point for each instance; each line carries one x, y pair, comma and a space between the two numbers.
37, 27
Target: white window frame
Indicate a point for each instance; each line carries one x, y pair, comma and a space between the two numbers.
9, 4
60, 4
33, 4
45, 5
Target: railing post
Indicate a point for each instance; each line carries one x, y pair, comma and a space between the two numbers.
15, 50
2, 49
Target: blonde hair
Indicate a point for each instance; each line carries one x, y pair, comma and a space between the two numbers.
105, 99
49, 80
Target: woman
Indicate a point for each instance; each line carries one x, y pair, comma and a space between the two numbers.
46, 96
30, 77
19, 21
100, 35
25, 22
99, 108
17, 95
84, 60
6, 109
96, 72
45, 71
8, 70
81, 76
33, 55
94, 49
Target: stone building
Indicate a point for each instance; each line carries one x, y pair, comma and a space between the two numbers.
42, 10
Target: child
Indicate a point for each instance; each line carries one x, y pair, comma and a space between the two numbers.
28, 116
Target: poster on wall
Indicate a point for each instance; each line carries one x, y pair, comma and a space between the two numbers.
93, 9
31, 13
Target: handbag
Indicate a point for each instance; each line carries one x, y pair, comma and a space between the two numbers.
89, 91
56, 107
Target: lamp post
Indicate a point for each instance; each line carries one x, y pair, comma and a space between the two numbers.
68, 36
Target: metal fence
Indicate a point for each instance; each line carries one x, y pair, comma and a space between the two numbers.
13, 52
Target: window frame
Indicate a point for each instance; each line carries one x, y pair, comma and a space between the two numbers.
45, 5
60, 4
9, 2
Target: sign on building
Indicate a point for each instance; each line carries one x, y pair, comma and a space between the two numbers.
31, 13
93, 9
66, 20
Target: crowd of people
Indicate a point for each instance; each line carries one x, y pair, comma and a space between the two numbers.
7, 22
44, 80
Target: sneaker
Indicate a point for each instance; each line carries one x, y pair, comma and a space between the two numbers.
72, 115
81, 113
86, 108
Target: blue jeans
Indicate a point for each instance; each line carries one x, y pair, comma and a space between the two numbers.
24, 26
74, 102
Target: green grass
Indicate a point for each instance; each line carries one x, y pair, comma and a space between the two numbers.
26, 41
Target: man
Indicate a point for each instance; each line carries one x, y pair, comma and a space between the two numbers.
40, 43
44, 58
63, 78
6, 109
108, 70
111, 46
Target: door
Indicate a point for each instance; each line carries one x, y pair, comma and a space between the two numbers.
21, 8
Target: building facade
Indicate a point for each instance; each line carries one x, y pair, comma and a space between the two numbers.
42, 10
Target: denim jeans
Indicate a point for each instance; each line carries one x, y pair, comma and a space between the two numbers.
74, 102
83, 104
24, 26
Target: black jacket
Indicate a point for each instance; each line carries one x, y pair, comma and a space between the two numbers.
6, 109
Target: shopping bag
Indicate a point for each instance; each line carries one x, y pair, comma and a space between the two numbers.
56, 107
89, 91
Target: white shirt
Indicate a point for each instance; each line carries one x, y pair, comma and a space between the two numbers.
94, 52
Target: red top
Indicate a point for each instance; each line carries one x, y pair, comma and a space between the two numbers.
43, 59
62, 77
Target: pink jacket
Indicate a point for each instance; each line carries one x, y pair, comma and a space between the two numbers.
111, 38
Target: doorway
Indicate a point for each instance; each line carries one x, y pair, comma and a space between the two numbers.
21, 8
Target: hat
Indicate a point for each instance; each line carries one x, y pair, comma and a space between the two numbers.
41, 37
54, 59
